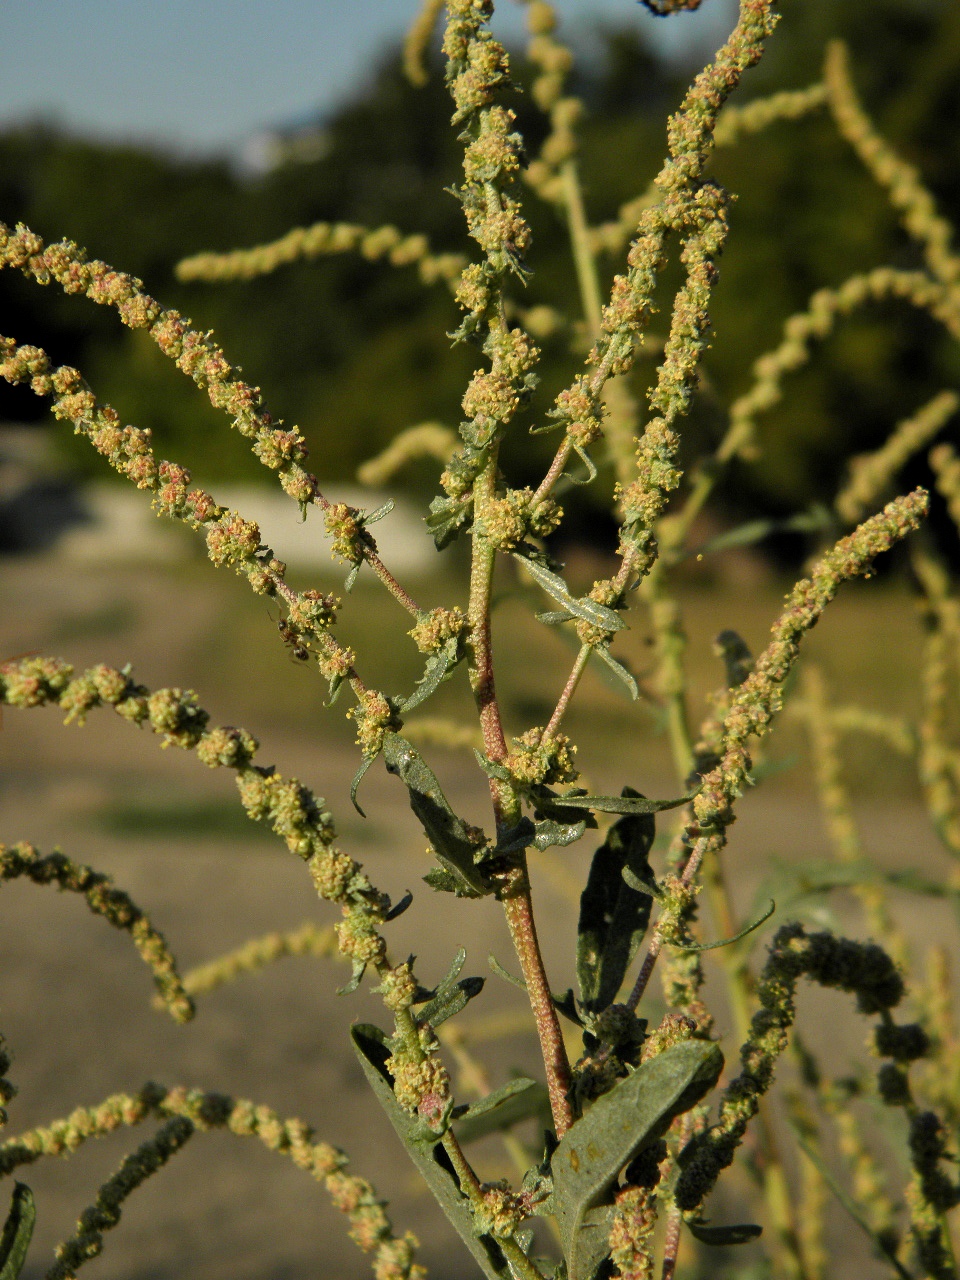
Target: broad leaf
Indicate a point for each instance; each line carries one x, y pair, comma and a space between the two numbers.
448, 834
742, 1233
447, 519
17, 1232
430, 1158
636, 1111
519, 1100
548, 832
584, 608
613, 915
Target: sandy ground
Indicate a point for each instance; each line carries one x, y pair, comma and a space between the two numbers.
75, 999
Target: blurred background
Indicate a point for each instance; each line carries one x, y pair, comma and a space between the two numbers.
148, 133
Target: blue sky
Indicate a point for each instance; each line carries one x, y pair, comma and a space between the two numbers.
203, 75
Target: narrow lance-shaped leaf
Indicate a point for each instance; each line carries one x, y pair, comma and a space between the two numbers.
613, 915
584, 608
636, 1111
440, 667
430, 1158
633, 803
17, 1232
740, 1233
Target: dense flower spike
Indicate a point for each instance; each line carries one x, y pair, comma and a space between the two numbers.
308, 940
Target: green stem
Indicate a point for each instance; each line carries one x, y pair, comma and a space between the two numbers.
583, 256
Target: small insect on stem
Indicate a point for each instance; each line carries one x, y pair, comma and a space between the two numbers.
293, 640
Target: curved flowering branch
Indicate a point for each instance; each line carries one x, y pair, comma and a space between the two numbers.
320, 240
194, 353
826, 306
753, 704
901, 181
186, 1111
116, 907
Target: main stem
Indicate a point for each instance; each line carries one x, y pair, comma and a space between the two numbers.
516, 895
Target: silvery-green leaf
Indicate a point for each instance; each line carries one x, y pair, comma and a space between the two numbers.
431, 1160
17, 1232
587, 461
449, 1002
440, 667
380, 512
553, 617
548, 832
742, 1233
516, 838
618, 669
352, 576
584, 608
621, 804
336, 684
507, 976
447, 833
613, 915
635, 1112
491, 769
447, 520
359, 969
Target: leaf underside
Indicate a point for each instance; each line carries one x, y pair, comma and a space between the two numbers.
431, 1160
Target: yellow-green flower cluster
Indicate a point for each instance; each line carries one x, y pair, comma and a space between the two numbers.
438, 626
536, 760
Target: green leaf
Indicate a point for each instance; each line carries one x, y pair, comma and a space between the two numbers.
447, 520
17, 1232
553, 617
635, 1112
742, 1233
449, 1002
365, 764
444, 881
618, 669
440, 667
613, 915
507, 976
818, 517
633, 803
380, 512
430, 1158
548, 832
726, 942
491, 769
451, 840
336, 684
584, 608
519, 1100
352, 576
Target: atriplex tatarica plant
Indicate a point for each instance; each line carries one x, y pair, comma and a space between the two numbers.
643, 1123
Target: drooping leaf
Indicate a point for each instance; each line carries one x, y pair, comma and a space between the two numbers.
741, 1233
399, 908
634, 803
587, 461
584, 608
359, 969
519, 1100
491, 768
618, 669
635, 1112
440, 667
453, 844
365, 764
613, 915
430, 1158
17, 1232
818, 517
507, 976
444, 881
726, 942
